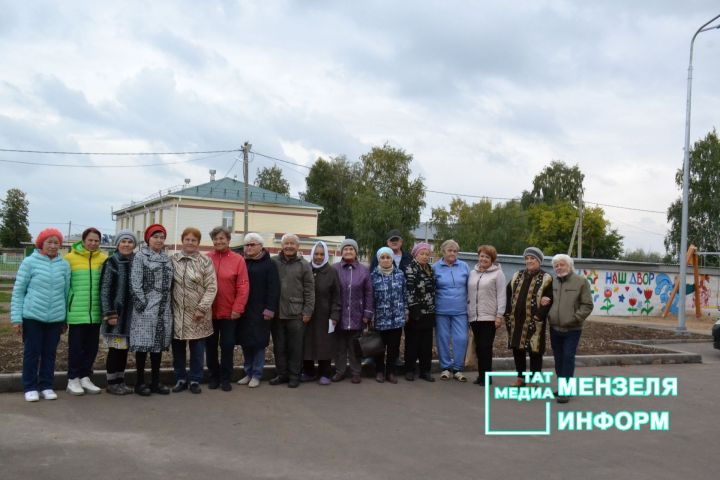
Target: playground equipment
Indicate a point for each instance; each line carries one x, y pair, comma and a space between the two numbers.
693, 260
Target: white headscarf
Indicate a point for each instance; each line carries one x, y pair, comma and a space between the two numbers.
312, 255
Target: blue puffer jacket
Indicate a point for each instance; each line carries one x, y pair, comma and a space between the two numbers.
389, 293
41, 289
451, 292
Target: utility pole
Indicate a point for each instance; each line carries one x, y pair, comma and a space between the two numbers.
580, 224
69, 229
246, 150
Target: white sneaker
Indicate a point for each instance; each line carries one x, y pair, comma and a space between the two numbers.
254, 383
49, 394
32, 396
244, 380
89, 386
74, 387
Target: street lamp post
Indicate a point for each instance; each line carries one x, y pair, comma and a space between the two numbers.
681, 329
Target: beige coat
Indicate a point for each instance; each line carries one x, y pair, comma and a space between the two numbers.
194, 289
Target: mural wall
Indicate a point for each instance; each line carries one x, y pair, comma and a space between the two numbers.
623, 293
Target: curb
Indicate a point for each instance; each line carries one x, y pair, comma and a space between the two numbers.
12, 382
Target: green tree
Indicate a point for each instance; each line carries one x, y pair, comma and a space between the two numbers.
703, 204
332, 184
272, 179
551, 228
555, 183
386, 197
640, 255
505, 226
14, 213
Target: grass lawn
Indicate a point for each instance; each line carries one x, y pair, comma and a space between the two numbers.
5, 297
6, 280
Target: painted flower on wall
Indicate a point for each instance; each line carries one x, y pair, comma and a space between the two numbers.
607, 303
633, 301
647, 293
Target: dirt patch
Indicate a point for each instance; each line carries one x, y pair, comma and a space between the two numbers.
597, 339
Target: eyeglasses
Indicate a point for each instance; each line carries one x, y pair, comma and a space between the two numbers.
252, 244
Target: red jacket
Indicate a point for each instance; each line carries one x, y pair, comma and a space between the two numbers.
232, 283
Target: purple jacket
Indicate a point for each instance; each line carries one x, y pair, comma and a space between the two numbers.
357, 295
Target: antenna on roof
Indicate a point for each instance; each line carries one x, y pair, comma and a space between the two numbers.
212, 175
187, 181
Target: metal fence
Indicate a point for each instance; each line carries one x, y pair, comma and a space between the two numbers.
9, 263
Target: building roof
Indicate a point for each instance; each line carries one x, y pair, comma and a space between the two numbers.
231, 190
425, 231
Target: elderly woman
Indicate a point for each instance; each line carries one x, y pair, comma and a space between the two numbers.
84, 316
486, 307
232, 295
193, 292
151, 321
357, 309
420, 284
573, 304
253, 333
318, 343
38, 311
389, 295
116, 304
525, 316
451, 277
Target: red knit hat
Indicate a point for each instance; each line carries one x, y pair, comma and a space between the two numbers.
47, 233
153, 229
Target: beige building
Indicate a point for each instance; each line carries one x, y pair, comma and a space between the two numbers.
221, 202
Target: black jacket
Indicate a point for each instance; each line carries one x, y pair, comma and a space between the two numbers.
253, 330
115, 294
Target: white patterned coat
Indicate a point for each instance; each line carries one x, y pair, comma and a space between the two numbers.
194, 289
151, 323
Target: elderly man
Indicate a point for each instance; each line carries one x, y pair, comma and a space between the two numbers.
401, 259
297, 302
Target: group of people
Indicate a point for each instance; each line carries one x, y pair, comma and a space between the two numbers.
144, 301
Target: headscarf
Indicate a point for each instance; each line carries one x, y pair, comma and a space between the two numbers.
325, 251
385, 251
420, 246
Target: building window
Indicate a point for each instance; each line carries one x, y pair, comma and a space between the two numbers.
228, 219
152, 217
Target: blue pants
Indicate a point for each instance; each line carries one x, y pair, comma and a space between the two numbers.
83, 342
564, 346
197, 355
41, 341
254, 361
451, 328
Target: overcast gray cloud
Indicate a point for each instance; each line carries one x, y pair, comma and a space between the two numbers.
483, 94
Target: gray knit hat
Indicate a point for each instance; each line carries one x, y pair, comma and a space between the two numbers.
534, 252
349, 242
125, 234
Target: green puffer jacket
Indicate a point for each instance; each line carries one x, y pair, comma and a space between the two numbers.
84, 297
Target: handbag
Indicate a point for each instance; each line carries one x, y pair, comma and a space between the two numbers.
369, 344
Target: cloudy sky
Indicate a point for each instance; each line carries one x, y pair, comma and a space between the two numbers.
482, 94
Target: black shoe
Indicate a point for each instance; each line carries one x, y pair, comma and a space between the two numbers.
337, 378
143, 390
427, 377
278, 380
213, 384
410, 376
225, 387
293, 383
180, 386
380, 377
160, 389
195, 387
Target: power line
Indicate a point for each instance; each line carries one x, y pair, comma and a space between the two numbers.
627, 208
473, 196
75, 165
281, 160
49, 152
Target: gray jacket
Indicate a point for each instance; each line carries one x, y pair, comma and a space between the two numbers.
572, 303
297, 287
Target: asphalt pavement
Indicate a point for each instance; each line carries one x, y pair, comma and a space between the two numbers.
410, 430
